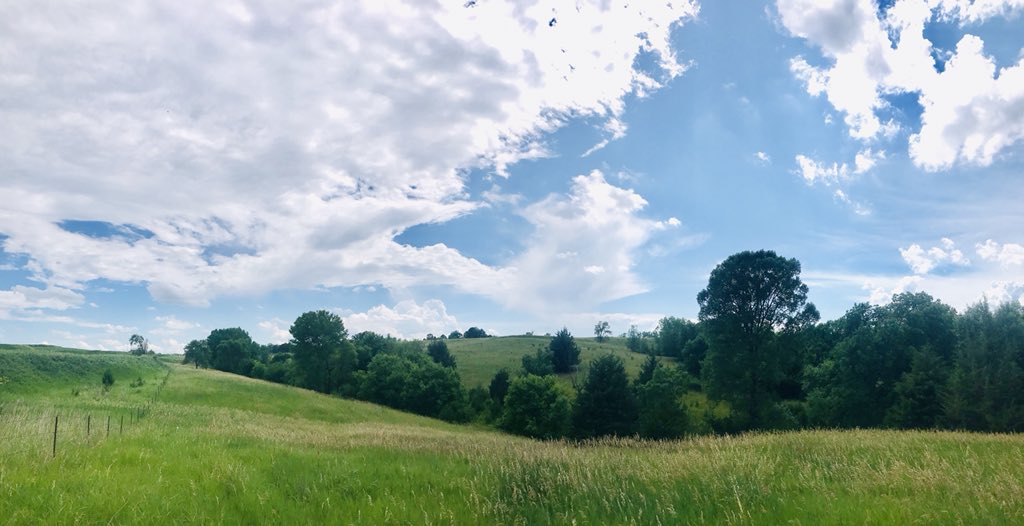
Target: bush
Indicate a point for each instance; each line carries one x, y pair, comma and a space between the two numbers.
108, 379
138, 382
536, 407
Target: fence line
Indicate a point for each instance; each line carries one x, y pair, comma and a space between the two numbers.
20, 422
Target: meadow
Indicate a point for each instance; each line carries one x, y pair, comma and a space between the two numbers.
219, 448
479, 358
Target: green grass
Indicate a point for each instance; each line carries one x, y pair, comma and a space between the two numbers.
220, 449
478, 359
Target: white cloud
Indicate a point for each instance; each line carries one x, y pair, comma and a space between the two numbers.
286, 147
857, 207
866, 159
763, 158
407, 319
881, 294
971, 111
172, 323
1005, 292
582, 250
813, 171
978, 10
923, 261
1008, 254
19, 299
276, 330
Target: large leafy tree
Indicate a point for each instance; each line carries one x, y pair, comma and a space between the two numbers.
536, 407
673, 335
138, 345
751, 298
322, 351
862, 378
606, 405
565, 355
198, 353
602, 330
230, 349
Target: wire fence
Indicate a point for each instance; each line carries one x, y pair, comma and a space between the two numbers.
28, 429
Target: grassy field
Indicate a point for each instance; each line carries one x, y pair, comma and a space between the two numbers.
479, 358
216, 448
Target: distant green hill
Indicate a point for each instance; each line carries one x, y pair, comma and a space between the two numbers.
222, 449
478, 359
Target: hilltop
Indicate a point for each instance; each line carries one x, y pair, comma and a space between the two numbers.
479, 358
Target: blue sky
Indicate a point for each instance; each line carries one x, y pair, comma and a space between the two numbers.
422, 167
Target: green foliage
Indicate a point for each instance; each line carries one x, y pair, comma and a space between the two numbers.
475, 332
565, 355
438, 351
634, 340
540, 363
662, 414
919, 393
986, 387
412, 382
108, 379
230, 349
454, 335
647, 369
322, 352
673, 335
602, 331
259, 452
368, 345
197, 352
536, 407
498, 388
855, 385
605, 406
751, 297
138, 345
693, 354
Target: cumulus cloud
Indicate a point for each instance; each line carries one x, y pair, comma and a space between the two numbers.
923, 261
1008, 254
882, 293
249, 148
972, 110
20, 298
583, 247
276, 330
407, 319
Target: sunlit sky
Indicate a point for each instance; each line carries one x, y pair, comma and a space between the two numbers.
168, 168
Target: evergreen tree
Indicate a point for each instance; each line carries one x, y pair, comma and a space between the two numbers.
605, 405
565, 355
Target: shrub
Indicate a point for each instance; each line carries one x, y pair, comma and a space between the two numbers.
108, 379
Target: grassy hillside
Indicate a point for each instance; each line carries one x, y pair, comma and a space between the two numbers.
217, 448
479, 358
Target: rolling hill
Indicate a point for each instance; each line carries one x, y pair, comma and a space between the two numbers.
218, 448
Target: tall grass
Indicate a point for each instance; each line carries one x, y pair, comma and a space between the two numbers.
217, 448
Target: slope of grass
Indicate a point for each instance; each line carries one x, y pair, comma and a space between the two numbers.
479, 358
221, 449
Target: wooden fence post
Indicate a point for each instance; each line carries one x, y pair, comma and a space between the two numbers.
56, 418
88, 425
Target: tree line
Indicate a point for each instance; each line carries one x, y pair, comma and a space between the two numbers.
757, 358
